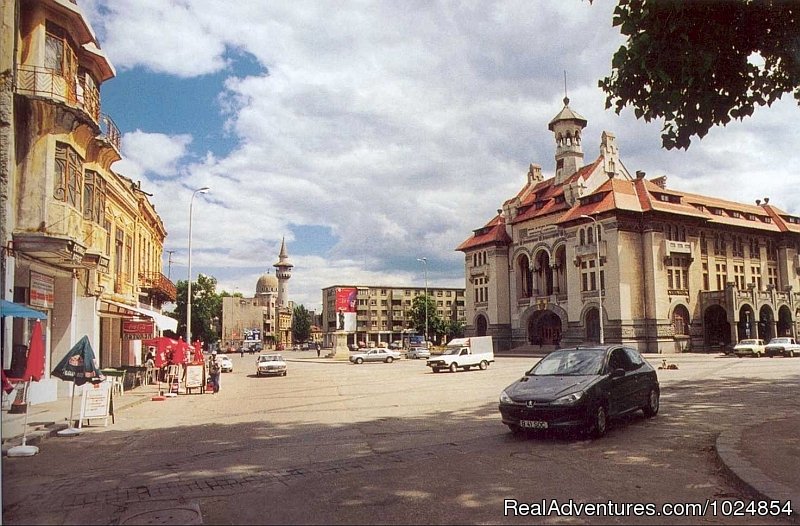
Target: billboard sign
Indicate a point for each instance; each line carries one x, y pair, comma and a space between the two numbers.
137, 330
42, 290
346, 299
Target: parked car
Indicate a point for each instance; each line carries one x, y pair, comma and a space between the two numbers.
396, 345
418, 352
581, 388
255, 347
270, 365
375, 355
225, 363
783, 346
752, 347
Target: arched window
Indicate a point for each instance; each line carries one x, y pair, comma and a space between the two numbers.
590, 235
680, 321
582, 237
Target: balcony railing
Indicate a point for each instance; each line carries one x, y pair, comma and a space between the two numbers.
158, 285
110, 131
45, 82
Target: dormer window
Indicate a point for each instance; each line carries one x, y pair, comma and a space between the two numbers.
735, 214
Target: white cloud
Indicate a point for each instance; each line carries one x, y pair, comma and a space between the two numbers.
400, 127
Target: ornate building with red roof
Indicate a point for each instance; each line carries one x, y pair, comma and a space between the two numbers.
677, 271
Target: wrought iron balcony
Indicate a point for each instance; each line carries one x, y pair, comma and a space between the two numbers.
52, 84
158, 286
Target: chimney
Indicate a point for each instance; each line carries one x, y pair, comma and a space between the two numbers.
758, 202
660, 181
535, 174
766, 200
640, 174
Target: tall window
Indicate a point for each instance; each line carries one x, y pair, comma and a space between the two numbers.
719, 245
119, 239
680, 321
772, 251
722, 275
755, 248
738, 276
706, 285
94, 197
703, 246
68, 178
755, 276
677, 273
129, 256
738, 247
589, 276
107, 226
772, 276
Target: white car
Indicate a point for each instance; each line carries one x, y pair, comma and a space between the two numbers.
782, 346
375, 355
225, 363
270, 365
751, 347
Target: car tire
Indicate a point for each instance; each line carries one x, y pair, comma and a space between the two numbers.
435, 369
284, 373
484, 365
389, 359
453, 367
599, 421
791, 354
359, 361
651, 408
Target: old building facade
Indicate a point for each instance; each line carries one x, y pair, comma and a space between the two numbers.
80, 242
597, 250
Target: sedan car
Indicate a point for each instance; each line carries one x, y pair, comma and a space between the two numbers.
752, 347
581, 388
782, 346
419, 352
225, 363
270, 365
375, 355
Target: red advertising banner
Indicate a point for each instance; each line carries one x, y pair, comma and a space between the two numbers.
346, 300
137, 330
42, 290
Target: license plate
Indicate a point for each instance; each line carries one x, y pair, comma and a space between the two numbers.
533, 424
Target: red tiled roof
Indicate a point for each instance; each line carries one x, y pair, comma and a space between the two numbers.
493, 233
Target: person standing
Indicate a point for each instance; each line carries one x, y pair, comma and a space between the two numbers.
318, 349
214, 370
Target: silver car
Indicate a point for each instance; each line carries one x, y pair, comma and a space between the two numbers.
270, 365
375, 355
419, 352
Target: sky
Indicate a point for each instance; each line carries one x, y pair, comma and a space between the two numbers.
370, 134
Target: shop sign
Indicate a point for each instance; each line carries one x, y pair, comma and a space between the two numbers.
137, 330
42, 290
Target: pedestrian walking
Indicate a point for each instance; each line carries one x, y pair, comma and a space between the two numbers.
241, 351
318, 349
214, 371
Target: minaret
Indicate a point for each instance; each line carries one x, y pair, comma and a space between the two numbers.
567, 127
283, 272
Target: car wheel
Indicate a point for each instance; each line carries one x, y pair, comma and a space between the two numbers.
651, 409
599, 421
359, 360
791, 354
389, 359
435, 369
284, 373
453, 367
484, 365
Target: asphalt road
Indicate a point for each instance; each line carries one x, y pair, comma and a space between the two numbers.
395, 443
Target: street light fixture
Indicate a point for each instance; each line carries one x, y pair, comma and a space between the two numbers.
203, 190
597, 270
425, 261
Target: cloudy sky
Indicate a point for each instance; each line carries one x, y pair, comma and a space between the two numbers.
370, 134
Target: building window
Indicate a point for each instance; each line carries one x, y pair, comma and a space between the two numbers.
738, 247
720, 247
755, 248
107, 226
703, 246
119, 239
705, 276
755, 276
772, 251
94, 197
677, 273
589, 276
680, 321
69, 175
722, 275
738, 276
772, 276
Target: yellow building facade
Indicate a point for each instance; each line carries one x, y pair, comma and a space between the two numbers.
80, 242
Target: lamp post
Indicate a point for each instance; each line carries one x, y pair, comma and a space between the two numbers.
425, 262
597, 262
203, 190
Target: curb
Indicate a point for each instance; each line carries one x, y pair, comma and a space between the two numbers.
752, 478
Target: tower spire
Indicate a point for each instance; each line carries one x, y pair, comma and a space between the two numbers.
283, 271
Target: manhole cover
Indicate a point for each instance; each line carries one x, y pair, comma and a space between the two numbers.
186, 514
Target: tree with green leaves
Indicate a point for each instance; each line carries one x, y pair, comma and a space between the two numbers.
301, 324
698, 64
417, 314
206, 309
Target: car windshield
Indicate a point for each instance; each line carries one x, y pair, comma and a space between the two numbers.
269, 358
748, 342
779, 340
569, 363
452, 350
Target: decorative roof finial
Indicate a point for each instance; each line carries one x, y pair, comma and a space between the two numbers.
566, 99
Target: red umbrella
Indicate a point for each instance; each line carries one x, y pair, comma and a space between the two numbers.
34, 368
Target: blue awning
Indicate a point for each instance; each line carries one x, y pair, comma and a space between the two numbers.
8, 308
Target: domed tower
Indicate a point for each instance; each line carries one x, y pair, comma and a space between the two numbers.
567, 127
283, 272
266, 288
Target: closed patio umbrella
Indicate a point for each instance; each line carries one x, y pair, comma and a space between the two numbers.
34, 371
79, 367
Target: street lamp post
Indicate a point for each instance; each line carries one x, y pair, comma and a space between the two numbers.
425, 262
597, 270
203, 190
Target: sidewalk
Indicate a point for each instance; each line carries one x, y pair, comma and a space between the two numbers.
48, 418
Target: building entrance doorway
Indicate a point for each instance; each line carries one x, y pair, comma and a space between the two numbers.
717, 328
544, 328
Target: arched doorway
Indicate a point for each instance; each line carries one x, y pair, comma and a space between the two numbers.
784, 321
481, 325
680, 321
544, 274
746, 327
592, 324
544, 328
766, 323
717, 328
